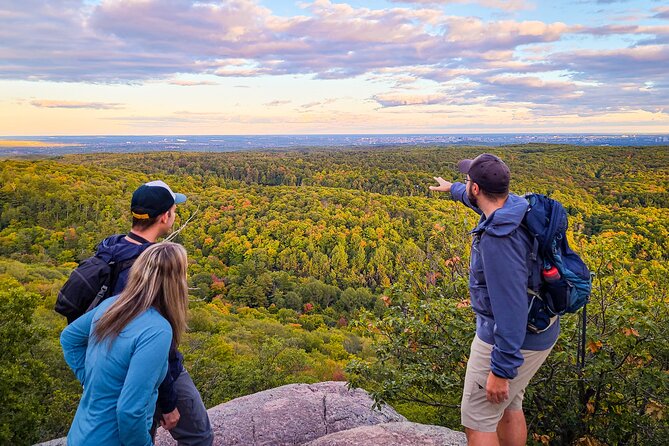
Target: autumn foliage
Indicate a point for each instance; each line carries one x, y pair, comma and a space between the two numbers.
339, 264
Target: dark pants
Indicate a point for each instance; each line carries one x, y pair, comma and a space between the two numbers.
193, 428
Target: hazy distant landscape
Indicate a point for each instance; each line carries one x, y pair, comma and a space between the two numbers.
59, 145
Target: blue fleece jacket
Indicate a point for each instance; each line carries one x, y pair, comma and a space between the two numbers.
500, 268
119, 249
120, 380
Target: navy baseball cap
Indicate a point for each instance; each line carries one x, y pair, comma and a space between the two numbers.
152, 199
488, 171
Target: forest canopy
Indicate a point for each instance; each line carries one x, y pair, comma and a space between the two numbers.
323, 264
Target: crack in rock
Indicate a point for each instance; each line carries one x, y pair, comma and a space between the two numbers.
253, 430
325, 414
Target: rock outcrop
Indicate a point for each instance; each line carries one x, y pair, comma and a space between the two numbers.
291, 415
393, 434
322, 414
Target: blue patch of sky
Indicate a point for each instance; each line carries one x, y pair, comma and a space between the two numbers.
592, 12
283, 8
373, 4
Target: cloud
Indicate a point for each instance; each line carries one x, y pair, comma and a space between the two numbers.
531, 91
315, 104
185, 83
398, 100
130, 41
506, 5
277, 103
187, 119
46, 103
661, 12
641, 64
529, 83
623, 29
475, 34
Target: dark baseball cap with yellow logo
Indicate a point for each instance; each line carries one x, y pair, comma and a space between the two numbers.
152, 199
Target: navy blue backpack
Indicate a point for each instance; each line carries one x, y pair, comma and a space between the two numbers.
546, 222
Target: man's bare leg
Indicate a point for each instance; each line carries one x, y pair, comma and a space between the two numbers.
476, 438
512, 429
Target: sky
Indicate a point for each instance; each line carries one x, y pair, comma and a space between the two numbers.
246, 67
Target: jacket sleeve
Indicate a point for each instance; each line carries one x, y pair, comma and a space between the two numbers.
459, 193
133, 407
74, 340
505, 270
167, 393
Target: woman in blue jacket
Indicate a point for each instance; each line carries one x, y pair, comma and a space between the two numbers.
119, 350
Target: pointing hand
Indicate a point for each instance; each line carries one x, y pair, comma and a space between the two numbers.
444, 186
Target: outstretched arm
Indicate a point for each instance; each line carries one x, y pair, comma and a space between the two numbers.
444, 186
458, 192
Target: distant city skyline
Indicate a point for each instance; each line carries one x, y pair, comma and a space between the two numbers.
254, 67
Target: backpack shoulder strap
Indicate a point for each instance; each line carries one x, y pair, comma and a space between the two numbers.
106, 291
534, 278
117, 268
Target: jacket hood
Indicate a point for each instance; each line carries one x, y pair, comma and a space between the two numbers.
117, 248
506, 219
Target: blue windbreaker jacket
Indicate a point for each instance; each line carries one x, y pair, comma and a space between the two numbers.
500, 268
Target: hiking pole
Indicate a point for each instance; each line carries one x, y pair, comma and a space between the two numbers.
580, 359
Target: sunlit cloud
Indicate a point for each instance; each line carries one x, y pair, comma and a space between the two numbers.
277, 103
132, 41
397, 100
185, 83
623, 29
310, 105
645, 63
506, 5
661, 12
45, 103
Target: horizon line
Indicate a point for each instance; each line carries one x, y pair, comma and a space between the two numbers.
337, 134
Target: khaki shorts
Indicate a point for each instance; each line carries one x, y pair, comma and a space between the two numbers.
477, 413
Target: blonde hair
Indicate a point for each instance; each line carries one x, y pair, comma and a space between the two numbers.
157, 279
